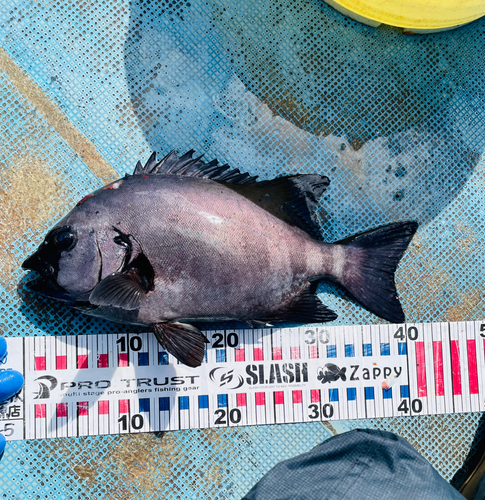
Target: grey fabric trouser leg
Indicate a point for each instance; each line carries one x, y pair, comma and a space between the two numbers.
480, 490
363, 464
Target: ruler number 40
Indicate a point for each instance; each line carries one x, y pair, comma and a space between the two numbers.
416, 406
412, 333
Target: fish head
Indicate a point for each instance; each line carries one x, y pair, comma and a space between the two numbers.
75, 255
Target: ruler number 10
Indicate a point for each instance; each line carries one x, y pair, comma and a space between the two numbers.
136, 422
135, 343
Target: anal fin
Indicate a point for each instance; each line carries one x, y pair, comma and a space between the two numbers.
306, 308
254, 323
184, 341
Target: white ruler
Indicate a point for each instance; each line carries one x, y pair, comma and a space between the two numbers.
126, 383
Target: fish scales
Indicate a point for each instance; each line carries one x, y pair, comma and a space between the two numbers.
216, 254
183, 241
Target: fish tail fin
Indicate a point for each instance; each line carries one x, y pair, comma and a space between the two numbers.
371, 261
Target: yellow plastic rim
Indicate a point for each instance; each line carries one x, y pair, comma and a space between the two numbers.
416, 14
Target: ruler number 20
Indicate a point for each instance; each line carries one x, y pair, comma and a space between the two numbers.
219, 342
234, 416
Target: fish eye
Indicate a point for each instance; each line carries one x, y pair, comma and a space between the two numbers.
63, 239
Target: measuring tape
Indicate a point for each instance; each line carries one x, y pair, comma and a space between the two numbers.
126, 383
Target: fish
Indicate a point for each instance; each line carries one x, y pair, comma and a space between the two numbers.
182, 241
331, 373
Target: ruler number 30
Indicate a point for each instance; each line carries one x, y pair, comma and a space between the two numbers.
318, 336
326, 411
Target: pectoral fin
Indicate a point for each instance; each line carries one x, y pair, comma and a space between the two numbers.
127, 287
124, 290
185, 342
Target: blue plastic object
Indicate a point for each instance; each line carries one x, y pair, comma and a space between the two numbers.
3, 350
11, 382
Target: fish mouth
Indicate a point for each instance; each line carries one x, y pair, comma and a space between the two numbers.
47, 284
39, 265
48, 287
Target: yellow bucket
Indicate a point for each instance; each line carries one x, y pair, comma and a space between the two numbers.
417, 16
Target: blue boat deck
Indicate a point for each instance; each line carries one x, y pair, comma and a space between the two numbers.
272, 88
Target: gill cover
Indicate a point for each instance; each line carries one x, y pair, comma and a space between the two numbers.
78, 266
125, 287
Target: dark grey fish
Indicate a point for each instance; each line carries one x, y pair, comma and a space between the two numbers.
183, 241
331, 373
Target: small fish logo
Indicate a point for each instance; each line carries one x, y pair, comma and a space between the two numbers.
331, 373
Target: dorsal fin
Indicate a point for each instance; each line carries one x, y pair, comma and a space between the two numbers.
188, 166
292, 199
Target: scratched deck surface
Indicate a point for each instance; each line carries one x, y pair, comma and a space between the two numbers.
88, 88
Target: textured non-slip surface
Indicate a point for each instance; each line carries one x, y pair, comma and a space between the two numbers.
273, 88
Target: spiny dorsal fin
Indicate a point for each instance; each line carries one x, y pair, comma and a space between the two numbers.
292, 199
188, 166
